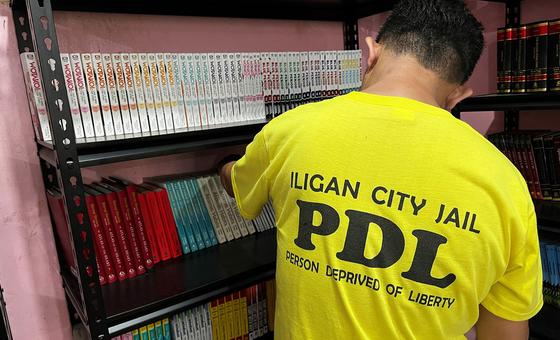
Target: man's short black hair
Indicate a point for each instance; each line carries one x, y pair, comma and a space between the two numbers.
442, 35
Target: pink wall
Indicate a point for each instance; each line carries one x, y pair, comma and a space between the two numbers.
28, 266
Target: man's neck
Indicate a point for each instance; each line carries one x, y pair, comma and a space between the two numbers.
404, 77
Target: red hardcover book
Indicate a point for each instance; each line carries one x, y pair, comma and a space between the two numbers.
143, 241
101, 247
148, 224
129, 225
524, 158
100, 270
118, 223
158, 223
109, 231
533, 166
169, 220
56, 205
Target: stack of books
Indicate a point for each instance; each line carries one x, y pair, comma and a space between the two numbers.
137, 94
137, 226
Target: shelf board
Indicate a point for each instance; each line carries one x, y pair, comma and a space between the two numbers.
515, 101
189, 280
545, 324
104, 150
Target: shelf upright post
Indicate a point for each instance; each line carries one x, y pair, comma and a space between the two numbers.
513, 13
351, 34
36, 32
5, 332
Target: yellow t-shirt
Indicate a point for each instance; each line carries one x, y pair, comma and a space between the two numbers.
395, 221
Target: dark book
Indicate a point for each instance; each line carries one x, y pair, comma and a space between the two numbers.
62, 233
542, 167
504, 44
537, 56
520, 66
528, 143
554, 55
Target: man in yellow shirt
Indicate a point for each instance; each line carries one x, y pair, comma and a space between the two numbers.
396, 220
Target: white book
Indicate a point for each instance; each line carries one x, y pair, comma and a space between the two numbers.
298, 78
267, 86
139, 92
103, 94
212, 210
205, 68
36, 97
186, 89
218, 116
239, 86
217, 196
203, 110
121, 91
187, 326
156, 90
234, 90
181, 108
81, 92
148, 93
358, 69
239, 221
228, 209
227, 87
113, 93
256, 76
226, 113
162, 73
275, 83
87, 64
131, 96
248, 86
72, 96
194, 90
199, 323
179, 120
177, 327
208, 320
304, 67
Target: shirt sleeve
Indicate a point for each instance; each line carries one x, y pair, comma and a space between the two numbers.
249, 177
517, 295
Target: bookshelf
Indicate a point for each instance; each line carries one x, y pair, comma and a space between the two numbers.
192, 279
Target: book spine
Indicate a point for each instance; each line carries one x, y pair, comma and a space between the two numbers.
226, 114
149, 226
220, 207
552, 164
206, 195
236, 312
540, 157
181, 108
533, 166
251, 313
207, 89
519, 77
111, 236
244, 314
132, 238
72, 96
188, 217
199, 81
227, 87
121, 91
139, 92
109, 73
198, 229
171, 227
186, 88
162, 74
121, 235
103, 94
178, 117
554, 55
537, 44
139, 226
82, 94
202, 212
92, 93
130, 95
100, 269
157, 214
151, 331
101, 248
158, 330
238, 220
180, 220
260, 109
149, 95
234, 89
218, 115
144, 333
30, 83
166, 329
156, 90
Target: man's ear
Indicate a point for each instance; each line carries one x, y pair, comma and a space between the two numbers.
374, 50
456, 96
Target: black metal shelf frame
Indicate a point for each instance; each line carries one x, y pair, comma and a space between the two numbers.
61, 161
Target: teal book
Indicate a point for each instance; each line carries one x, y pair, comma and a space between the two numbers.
159, 331
166, 329
192, 215
179, 220
136, 334
204, 211
197, 214
152, 331
187, 217
144, 333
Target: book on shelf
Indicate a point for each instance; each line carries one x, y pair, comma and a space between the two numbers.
550, 259
243, 314
554, 55
132, 94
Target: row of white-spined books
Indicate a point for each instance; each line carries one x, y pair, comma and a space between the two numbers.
128, 95
243, 315
136, 226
